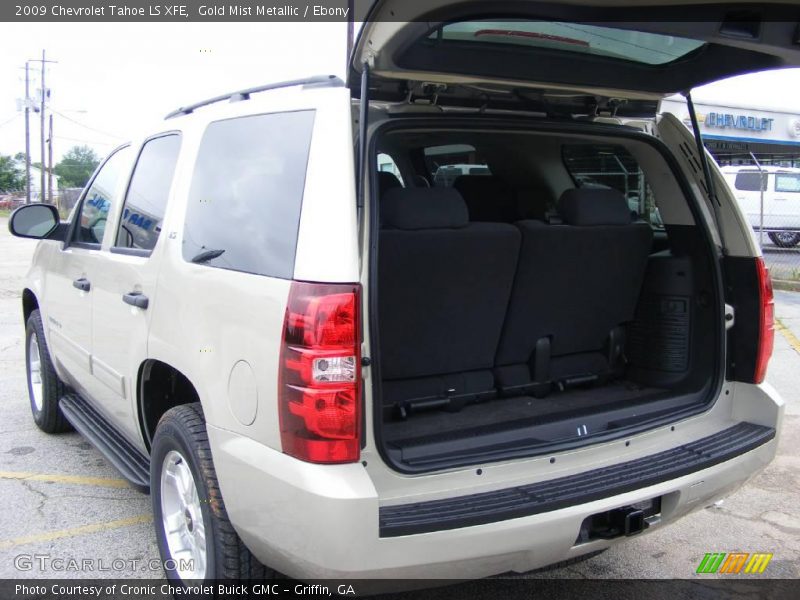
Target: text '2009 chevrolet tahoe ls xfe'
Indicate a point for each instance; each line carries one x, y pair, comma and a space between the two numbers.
345, 364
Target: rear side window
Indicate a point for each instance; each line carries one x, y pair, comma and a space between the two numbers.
614, 167
246, 193
146, 199
387, 164
750, 181
787, 182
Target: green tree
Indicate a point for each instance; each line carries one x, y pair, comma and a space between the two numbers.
76, 167
11, 176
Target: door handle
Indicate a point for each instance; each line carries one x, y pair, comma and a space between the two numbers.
82, 284
137, 299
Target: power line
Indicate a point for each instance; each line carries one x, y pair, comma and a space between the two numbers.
7, 121
119, 137
71, 139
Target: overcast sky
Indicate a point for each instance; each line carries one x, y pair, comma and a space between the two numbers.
126, 76
113, 79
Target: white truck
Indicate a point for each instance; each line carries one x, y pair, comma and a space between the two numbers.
770, 199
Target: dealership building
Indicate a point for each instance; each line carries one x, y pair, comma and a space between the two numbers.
734, 133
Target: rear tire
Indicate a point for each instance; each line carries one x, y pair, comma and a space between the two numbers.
44, 386
785, 239
188, 510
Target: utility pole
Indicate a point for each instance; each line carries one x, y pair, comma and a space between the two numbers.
27, 136
43, 100
44, 96
50, 162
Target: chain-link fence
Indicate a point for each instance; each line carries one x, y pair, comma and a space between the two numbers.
64, 199
767, 188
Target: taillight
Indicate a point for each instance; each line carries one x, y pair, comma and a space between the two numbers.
766, 321
319, 389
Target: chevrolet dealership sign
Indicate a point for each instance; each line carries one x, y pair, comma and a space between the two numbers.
739, 124
745, 122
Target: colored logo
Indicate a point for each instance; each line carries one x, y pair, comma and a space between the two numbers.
734, 562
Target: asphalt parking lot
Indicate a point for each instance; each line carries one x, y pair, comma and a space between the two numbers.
63, 501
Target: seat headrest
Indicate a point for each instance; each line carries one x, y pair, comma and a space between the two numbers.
387, 181
423, 208
594, 206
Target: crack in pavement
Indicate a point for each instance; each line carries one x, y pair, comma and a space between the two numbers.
43, 498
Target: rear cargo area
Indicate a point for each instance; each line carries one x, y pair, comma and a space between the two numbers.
534, 291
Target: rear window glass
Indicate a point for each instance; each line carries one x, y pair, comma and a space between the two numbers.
787, 182
750, 181
446, 163
246, 193
623, 44
612, 167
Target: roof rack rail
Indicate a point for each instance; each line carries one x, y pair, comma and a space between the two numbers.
331, 80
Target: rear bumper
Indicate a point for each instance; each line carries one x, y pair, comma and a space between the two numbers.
313, 522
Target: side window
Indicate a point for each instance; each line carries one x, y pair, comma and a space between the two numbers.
750, 181
246, 193
386, 164
146, 199
787, 182
96, 204
612, 166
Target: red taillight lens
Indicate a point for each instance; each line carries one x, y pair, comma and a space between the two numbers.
319, 391
766, 332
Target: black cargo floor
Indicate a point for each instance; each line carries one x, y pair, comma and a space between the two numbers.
514, 412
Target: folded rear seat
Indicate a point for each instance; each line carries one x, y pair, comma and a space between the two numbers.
576, 287
444, 287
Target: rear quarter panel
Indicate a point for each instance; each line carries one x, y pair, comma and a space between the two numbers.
208, 320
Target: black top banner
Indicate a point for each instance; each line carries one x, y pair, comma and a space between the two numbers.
185, 11
698, 11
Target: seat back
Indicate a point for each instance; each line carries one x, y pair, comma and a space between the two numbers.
488, 198
444, 285
576, 283
387, 181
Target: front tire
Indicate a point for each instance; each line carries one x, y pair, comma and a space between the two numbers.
44, 386
195, 537
785, 239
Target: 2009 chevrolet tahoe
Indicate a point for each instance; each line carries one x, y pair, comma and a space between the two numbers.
331, 363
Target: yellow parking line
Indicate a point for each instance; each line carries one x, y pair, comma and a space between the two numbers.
787, 333
56, 478
84, 529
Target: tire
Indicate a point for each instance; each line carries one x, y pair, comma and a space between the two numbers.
180, 447
785, 239
44, 386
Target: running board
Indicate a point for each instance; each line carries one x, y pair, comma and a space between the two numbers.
128, 460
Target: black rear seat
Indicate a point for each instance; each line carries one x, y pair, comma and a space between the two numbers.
444, 287
575, 287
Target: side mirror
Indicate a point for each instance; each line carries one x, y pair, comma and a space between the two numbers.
37, 221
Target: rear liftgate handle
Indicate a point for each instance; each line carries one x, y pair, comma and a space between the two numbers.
137, 299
